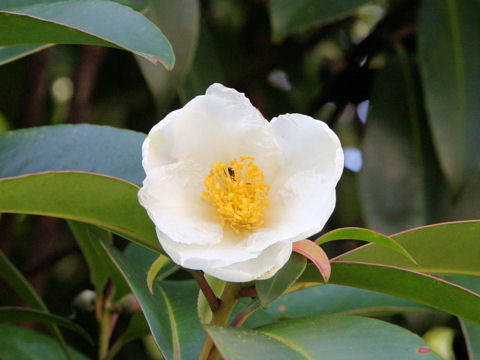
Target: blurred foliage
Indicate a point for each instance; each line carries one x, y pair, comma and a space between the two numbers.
397, 80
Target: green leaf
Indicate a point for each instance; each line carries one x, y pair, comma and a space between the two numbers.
156, 267
271, 289
425, 289
170, 313
12, 53
50, 148
180, 21
22, 343
314, 253
337, 299
448, 248
10, 274
19, 315
93, 252
471, 331
89, 22
98, 200
289, 17
449, 58
321, 337
13, 277
352, 233
401, 185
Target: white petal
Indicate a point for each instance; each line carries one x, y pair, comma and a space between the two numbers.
300, 209
261, 267
195, 256
171, 194
308, 144
157, 147
223, 125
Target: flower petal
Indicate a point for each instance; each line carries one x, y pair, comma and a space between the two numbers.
223, 125
195, 256
300, 209
307, 144
171, 194
157, 147
261, 267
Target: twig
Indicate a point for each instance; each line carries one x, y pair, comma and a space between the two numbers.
212, 299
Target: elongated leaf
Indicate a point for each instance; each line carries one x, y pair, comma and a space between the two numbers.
180, 21
90, 22
271, 289
337, 299
288, 17
364, 235
72, 148
93, 252
22, 288
156, 267
450, 65
21, 343
99, 200
315, 253
12, 53
321, 337
10, 274
19, 314
425, 289
401, 185
471, 331
170, 314
449, 248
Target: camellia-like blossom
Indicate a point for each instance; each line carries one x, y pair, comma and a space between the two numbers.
229, 192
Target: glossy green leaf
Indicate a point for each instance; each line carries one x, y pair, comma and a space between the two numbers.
425, 289
440, 339
99, 200
288, 17
22, 343
12, 53
400, 183
156, 267
321, 337
180, 21
449, 58
90, 22
93, 252
271, 289
19, 315
449, 248
10, 274
471, 331
72, 148
13, 277
339, 299
170, 313
371, 236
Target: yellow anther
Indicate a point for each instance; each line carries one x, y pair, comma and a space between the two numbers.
238, 192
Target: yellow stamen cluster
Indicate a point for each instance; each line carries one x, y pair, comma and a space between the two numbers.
238, 192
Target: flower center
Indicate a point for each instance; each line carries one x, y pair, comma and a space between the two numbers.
238, 192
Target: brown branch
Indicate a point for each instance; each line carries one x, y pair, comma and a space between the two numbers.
212, 299
248, 292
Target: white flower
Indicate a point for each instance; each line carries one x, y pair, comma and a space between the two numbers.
230, 192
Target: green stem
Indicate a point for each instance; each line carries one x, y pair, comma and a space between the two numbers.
220, 317
105, 332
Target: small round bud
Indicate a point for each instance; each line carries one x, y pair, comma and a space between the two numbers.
85, 301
